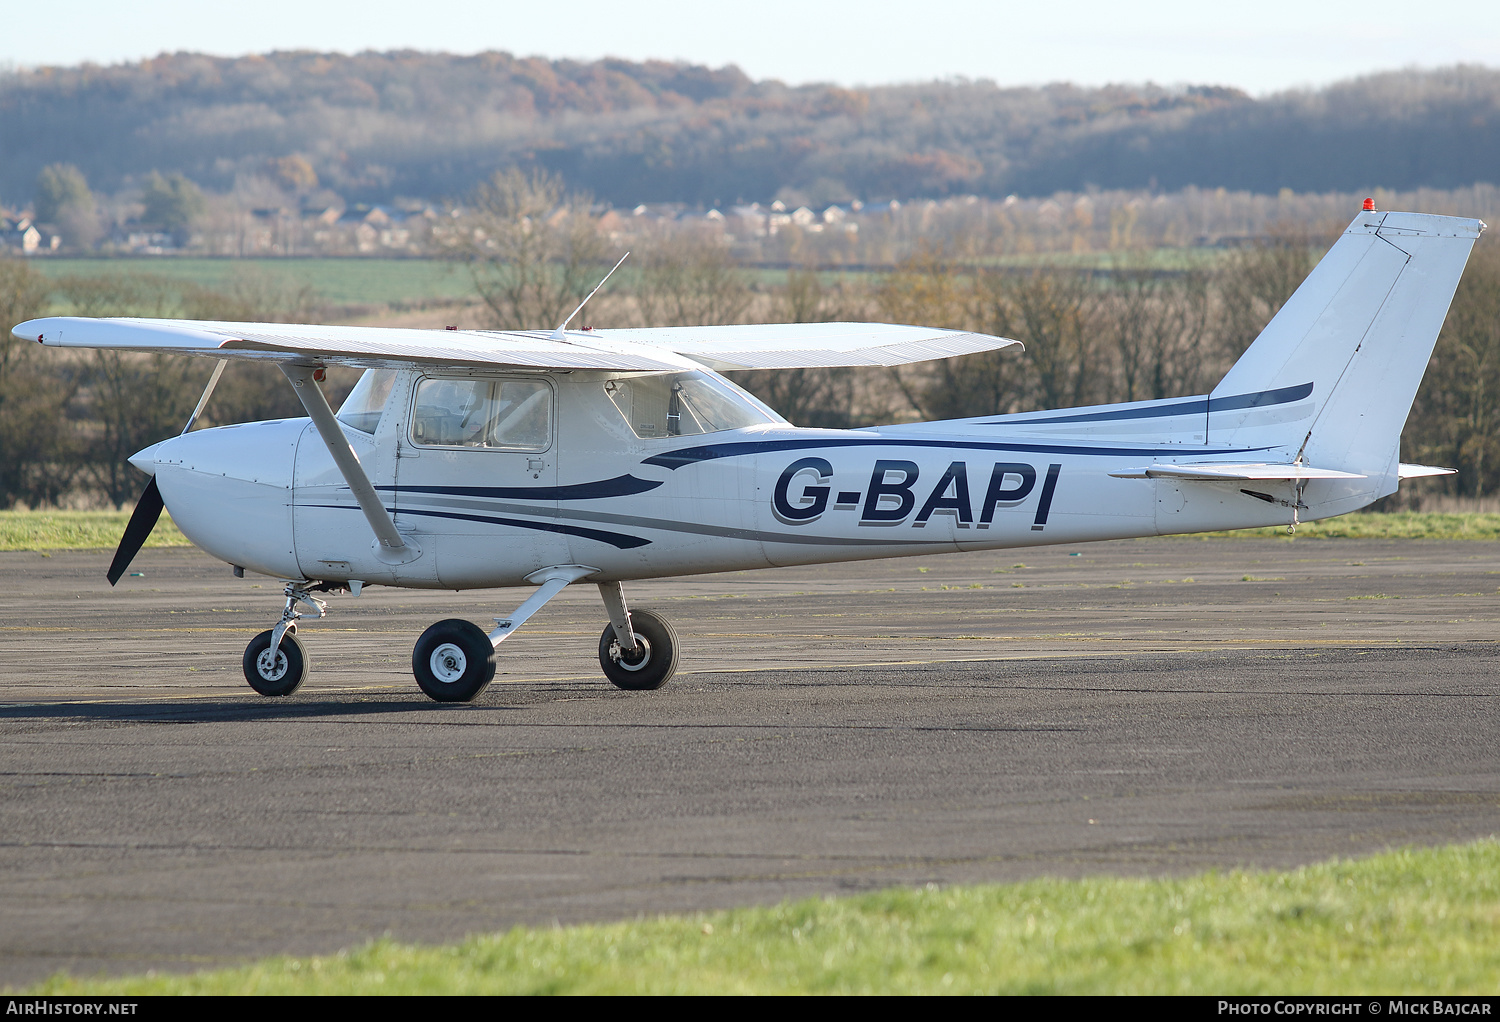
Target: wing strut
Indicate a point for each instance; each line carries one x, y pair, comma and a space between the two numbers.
393, 548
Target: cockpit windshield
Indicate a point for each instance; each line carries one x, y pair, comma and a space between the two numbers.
685, 404
365, 403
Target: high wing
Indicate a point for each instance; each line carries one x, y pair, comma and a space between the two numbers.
776, 346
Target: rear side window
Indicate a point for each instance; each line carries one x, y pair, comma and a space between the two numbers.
511, 415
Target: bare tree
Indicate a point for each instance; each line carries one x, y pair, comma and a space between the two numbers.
1256, 282
689, 280
38, 445
532, 251
1051, 312
1456, 418
1158, 327
927, 289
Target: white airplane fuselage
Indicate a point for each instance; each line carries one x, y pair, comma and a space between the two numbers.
478, 459
267, 496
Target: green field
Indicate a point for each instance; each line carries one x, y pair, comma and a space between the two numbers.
348, 281
1408, 922
77, 530
359, 280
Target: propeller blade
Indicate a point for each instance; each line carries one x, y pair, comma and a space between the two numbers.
142, 521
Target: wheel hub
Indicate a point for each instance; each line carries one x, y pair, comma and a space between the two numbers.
448, 663
271, 664
628, 661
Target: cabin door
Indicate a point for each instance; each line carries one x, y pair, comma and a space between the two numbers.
477, 477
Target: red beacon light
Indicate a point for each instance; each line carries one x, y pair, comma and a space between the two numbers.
1369, 205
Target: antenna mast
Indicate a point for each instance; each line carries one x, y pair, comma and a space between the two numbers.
557, 335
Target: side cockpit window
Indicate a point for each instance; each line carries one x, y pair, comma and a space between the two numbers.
511, 415
366, 402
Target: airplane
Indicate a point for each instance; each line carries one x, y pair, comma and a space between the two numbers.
475, 459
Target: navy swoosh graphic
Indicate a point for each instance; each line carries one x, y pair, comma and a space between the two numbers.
693, 528
619, 486
614, 539
1189, 406
712, 452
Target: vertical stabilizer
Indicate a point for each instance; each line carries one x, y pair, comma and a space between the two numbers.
1355, 338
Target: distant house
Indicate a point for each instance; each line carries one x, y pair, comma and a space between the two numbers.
144, 241
19, 234
327, 215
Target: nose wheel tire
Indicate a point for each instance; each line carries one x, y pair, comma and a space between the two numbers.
275, 674
453, 661
655, 658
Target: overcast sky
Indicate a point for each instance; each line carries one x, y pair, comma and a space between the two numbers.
1261, 47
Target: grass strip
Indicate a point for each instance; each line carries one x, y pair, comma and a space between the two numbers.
77, 530
89, 530
1387, 525
1407, 922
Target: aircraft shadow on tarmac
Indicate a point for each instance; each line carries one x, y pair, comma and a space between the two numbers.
218, 710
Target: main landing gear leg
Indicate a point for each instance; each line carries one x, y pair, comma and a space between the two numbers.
275, 662
638, 651
454, 660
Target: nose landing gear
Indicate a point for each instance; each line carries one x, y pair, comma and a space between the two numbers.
275, 672
275, 662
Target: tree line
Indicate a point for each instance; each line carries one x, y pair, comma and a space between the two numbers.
376, 126
1125, 330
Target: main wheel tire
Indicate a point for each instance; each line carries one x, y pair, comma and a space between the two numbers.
453, 661
278, 675
656, 642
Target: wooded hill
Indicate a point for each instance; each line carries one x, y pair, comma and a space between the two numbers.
376, 126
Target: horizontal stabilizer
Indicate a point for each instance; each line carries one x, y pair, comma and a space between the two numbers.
1231, 473
1419, 471
774, 346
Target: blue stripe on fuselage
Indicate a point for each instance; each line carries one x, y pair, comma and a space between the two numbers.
712, 452
619, 486
615, 539
1189, 406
